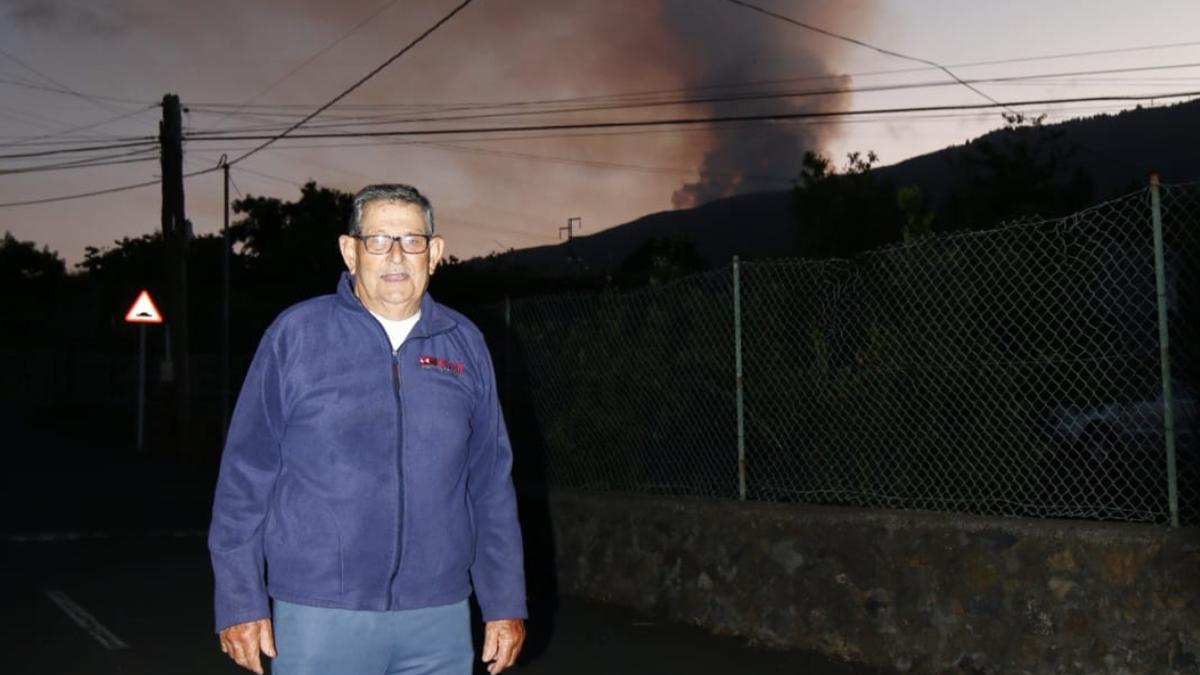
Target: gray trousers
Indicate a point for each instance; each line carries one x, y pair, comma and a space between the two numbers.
323, 641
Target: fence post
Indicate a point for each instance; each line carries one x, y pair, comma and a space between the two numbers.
1164, 344
737, 357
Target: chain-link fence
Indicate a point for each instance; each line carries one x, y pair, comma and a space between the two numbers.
1016, 371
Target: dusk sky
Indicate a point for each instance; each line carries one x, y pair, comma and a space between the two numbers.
82, 73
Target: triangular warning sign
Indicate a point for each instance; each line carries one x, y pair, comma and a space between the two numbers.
143, 310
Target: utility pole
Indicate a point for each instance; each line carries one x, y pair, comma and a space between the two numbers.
225, 307
572, 223
176, 235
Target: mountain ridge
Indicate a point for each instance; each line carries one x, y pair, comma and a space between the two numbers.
1118, 151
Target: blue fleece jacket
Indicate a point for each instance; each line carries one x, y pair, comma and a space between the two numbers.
361, 478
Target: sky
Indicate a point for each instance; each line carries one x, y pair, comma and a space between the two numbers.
79, 75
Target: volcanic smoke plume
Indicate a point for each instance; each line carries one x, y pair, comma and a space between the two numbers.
707, 48
523, 60
733, 45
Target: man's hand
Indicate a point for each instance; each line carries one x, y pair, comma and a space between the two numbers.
244, 642
502, 640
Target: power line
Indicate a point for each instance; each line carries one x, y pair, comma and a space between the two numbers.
96, 193
386, 6
21, 118
592, 163
705, 120
881, 50
91, 148
263, 174
80, 195
360, 82
20, 79
492, 228
74, 141
543, 158
70, 92
382, 120
281, 107
1067, 55
646, 123
32, 140
105, 160
441, 218
625, 133
698, 128
715, 128
63, 87
532, 157
75, 165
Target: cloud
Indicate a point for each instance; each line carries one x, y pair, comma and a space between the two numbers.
76, 17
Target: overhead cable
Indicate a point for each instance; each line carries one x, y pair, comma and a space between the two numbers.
703, 120
429, 31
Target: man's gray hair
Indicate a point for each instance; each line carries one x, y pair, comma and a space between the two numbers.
389, 192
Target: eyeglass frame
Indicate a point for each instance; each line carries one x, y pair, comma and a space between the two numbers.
398, 239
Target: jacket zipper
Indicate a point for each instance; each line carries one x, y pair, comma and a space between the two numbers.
399, 396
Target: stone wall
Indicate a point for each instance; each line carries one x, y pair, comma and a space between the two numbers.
918, 592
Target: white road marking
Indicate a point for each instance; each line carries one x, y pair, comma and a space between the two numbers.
86, 621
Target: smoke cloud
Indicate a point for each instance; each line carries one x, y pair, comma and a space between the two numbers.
70, 16
546, 49
761, 156
492, 192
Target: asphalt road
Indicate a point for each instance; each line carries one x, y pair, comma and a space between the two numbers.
106, 572
137, 604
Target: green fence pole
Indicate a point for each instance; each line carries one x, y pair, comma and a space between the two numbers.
1160, 280
737, 357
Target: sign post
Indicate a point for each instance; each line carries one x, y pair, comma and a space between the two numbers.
142, 312
141, 394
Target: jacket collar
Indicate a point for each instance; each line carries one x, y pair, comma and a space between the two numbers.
434, 317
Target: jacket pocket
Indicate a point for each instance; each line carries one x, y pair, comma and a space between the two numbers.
303, 544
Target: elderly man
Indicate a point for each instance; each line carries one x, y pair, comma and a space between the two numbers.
365, 485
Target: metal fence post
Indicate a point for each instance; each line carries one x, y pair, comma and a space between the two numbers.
1160, 281
737, 357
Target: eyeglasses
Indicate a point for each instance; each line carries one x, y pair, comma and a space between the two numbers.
381, 244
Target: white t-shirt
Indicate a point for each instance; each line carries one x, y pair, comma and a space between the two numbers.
397, 331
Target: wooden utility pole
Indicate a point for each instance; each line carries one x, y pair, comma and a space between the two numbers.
176, 235
225, 252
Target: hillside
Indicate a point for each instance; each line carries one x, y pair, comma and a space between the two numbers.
1117, 152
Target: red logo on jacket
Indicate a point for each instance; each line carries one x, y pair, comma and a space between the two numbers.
441, 364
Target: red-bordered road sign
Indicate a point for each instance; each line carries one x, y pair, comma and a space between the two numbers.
143, 310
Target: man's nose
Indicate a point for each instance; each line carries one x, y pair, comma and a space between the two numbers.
396, 252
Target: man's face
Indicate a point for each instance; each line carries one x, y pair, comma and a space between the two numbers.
390, 284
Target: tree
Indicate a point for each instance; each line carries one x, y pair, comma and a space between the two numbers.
659, 261
137, 260
22, 264
1025, 172
292, 246
31, 281
918, 218
847, 212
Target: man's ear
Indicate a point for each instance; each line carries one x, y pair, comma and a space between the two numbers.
436, 246
349, 248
